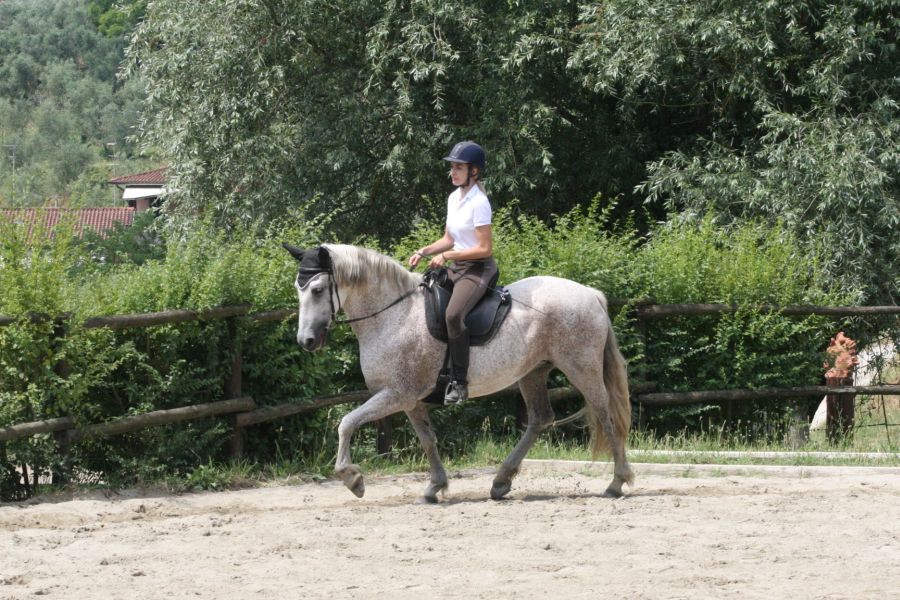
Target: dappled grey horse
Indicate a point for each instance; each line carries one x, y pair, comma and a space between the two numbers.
553, 323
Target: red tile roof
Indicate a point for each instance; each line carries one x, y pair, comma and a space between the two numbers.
98, 220
155, 177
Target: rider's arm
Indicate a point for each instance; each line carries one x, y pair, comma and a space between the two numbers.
483, 249
437, 247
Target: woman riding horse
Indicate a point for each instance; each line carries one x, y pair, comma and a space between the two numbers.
468, 243
552, 323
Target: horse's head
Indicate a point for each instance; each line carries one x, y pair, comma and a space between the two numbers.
316, 292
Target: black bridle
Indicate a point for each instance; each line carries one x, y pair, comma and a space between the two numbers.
333, 291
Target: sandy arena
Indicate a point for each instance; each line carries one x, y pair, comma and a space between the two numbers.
682, 532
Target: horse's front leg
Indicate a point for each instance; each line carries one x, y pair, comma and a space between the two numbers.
422, 424
384, 403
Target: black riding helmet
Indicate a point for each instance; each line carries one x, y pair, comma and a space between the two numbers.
467, 152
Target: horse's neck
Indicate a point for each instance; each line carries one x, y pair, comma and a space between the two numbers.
362, 300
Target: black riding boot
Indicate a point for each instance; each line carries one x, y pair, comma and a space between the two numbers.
458, 390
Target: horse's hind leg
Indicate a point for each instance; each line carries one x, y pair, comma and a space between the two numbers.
422, 424
597, 399
540, 415
622, 470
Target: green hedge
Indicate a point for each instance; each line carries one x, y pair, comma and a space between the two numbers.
115, 373
750, 264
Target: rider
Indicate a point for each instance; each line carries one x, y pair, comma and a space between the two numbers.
467, 242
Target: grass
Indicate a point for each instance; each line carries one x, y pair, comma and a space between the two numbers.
704, 447
870, 434
488, 450
693, 448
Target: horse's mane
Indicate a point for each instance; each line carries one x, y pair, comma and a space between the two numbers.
353, 265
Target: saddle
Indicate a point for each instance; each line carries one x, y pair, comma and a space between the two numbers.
483, 321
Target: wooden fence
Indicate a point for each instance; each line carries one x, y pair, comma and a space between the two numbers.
245, 412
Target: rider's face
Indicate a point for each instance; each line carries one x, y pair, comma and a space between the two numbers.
459, 173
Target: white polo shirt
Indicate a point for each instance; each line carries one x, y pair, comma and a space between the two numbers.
465, 214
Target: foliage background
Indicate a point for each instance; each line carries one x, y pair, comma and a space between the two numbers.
65, 118
692, 152
770, 110
766, 110
117, 373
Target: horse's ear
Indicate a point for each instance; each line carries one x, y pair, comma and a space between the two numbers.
294, 250
324, 257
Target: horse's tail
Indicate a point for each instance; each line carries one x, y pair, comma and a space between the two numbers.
615, 378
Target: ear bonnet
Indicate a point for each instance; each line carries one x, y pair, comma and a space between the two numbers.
312, 262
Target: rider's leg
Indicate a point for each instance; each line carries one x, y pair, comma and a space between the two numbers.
468, 288
459, 363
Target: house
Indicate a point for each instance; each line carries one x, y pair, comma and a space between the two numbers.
98, 220
142, 190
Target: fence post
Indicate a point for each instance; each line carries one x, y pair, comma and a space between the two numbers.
798, 430
384, 443
521, 412
839, 407
62, 369
839, 410
233, 386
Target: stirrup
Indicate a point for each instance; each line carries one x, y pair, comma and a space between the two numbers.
455, 393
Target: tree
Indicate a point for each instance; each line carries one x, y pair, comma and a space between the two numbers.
346, 108
116, 18
796, 111
60, 101
343, 110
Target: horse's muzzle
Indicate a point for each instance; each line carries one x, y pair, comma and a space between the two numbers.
312, 343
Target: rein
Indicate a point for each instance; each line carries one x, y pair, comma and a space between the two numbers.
333, 286
334, 312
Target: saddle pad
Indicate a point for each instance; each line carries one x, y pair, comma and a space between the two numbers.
482, 322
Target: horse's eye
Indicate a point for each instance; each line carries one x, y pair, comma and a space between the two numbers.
317, 291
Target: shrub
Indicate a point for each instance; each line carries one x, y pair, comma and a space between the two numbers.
748, 265
100, 374
113, 373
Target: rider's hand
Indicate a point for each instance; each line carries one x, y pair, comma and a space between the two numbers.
415, 258
437, 261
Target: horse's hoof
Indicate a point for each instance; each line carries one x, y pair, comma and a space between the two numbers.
353, 480
500, 489
357, 485
612, 492
431, 493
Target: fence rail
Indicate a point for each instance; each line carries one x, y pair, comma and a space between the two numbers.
246, 413
654, 311
643, 309
809, 391
165, 317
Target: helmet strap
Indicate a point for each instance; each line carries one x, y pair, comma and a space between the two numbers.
469, 178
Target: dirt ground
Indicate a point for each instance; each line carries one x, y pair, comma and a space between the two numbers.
681, 532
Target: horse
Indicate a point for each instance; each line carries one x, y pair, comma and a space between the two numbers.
552, 323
